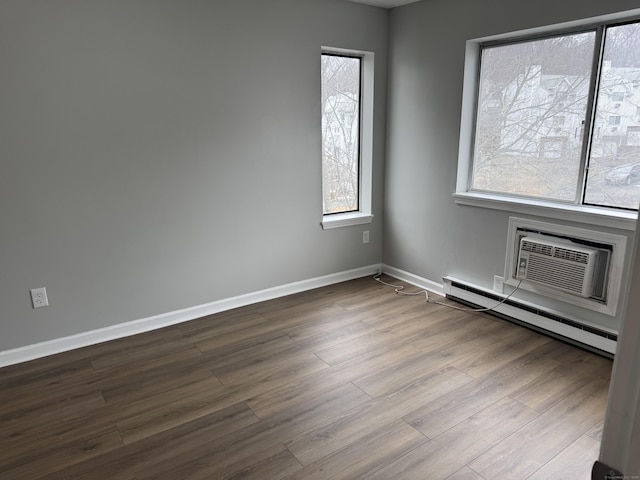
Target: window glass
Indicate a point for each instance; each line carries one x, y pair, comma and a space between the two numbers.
614, 164
341, 78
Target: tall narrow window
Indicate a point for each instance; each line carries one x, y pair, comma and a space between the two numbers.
341, 112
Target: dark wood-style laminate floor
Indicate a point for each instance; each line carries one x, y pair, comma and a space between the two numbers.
348, 381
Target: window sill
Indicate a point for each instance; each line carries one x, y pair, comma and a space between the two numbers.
603, 217
345, 220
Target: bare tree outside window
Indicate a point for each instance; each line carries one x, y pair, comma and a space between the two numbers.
341, 76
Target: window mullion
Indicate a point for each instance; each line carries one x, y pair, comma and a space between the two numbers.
589, 122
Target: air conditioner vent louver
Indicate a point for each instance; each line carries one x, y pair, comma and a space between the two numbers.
556, 252
572, 255
557, 265
536, 247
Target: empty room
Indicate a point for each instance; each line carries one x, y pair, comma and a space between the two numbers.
319, 239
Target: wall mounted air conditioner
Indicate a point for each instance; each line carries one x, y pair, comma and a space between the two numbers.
564, 266
608, 265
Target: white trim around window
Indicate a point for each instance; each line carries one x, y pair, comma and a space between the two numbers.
364, 214
597, 216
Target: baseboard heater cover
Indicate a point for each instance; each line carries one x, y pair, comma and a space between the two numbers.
599, 340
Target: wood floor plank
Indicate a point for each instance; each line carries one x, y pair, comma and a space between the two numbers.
547, 390
109, 375
336, 353
287, 397
301, 389
47, 425
157, 342
218, 461
220, 323
573, 462
465, 473
257, 442
445, 412
276, 467
373, 298
336, 319
350, 332
172, 412
399, 376
134, 388
483, 361
219, 346
529, 449
45, 411
348, 427
228, 360
396, 310
472, 342
415, 326
596, 431
361, 459
460, 330
453, 449
41, 462
122, 463
20, 391
285, 366
372, 361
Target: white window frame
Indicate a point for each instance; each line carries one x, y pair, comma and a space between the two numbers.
364, 214
601, 216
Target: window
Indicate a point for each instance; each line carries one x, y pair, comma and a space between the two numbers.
341, 76
347, 136
558, 120
555, 118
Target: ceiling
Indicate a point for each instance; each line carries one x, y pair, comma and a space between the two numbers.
385, 3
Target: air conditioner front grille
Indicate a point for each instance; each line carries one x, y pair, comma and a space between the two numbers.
568, 276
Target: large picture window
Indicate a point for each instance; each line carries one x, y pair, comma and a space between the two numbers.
557, 118
341, 107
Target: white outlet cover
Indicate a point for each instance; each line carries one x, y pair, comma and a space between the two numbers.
498, 284
39, 297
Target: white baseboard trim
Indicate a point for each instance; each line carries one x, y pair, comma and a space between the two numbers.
121, 330
408, 277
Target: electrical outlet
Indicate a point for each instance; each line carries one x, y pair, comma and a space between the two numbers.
39, 297
498, 284
365, 236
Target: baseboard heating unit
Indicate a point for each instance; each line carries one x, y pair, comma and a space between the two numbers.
591, 337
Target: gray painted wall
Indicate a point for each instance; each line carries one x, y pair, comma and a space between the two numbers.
425, 232
161, 154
